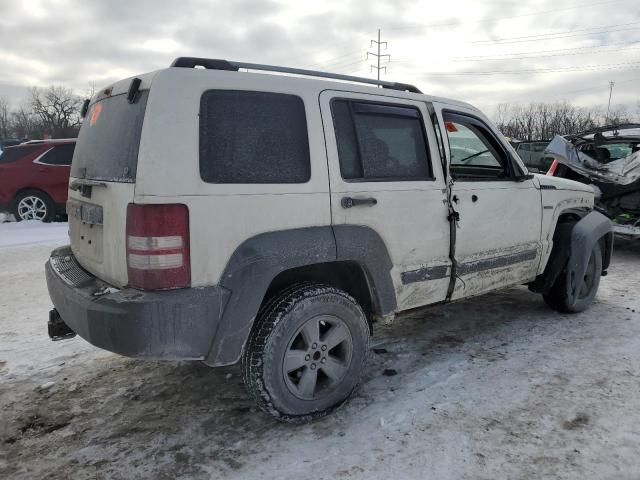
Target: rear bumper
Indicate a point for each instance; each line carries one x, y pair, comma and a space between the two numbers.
173, 324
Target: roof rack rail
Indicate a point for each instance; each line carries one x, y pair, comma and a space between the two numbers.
215, 64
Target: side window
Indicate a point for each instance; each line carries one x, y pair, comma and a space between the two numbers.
253, 137
380, 142
13, 154
59, 155
475, 152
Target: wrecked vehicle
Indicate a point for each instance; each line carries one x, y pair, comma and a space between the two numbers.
608, 158
226, 216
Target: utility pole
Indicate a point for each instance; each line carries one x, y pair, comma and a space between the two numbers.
606, 119
378, 55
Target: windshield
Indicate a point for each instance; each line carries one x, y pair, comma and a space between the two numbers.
619, 150
108, 143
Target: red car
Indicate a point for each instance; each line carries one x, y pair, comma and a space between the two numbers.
34, 178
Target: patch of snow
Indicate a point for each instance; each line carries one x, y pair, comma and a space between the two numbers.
33, 232
6, 217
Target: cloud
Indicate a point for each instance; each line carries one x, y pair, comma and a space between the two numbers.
79, 43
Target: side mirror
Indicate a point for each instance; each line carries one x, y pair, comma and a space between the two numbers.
522, 178
85, 107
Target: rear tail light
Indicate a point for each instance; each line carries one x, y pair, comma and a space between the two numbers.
158, 246
552, 169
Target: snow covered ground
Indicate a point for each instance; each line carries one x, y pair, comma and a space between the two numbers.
33, 232
494, 387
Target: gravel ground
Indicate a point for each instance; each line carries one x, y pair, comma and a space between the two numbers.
494, 387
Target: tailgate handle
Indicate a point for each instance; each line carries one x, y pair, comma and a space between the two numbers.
77, 185
348, 202
85, 186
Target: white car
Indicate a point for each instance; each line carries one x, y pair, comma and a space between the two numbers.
222, 215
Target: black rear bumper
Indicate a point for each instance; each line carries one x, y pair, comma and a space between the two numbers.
173, 324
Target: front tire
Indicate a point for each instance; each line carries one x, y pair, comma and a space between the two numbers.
33, 205
561, 296
306, 352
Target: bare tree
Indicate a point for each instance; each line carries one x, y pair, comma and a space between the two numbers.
541, 121
24, 124
57, 108
5, 124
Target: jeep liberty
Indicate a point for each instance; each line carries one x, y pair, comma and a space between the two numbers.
228, 212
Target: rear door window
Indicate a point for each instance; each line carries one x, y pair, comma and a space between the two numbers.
13, 154
109, 139
253, 137
59, 155
380, 142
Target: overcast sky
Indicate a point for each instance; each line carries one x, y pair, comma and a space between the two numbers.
551, 49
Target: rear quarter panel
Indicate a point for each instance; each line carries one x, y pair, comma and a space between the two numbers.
222, 216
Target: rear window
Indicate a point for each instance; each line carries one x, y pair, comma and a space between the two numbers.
13, 154
109, 140
59, 155
253, 137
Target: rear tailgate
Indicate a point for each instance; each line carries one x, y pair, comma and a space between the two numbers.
102, 183
97, 230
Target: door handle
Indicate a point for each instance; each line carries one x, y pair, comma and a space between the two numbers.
474, 198
348, 202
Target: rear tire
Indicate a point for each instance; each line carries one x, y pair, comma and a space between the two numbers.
306, 352
33, 205
561, 298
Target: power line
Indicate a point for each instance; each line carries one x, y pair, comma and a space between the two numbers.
550, 37
449, 24
599, 87
589, 89
378, 55
579, 68
454, 24
330, 61
524, 54
526, 57
505, 40
521, 56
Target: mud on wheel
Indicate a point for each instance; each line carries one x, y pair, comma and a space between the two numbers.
306, 352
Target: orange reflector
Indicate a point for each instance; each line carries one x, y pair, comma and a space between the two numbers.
451, 127
553, 168
96, 110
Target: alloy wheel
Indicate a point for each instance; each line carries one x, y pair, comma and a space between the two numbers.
32, 208
318, 357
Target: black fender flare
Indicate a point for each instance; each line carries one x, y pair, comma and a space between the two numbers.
572, 246
259, 259
585, 234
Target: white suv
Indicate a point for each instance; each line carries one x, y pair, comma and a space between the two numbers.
224, 215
